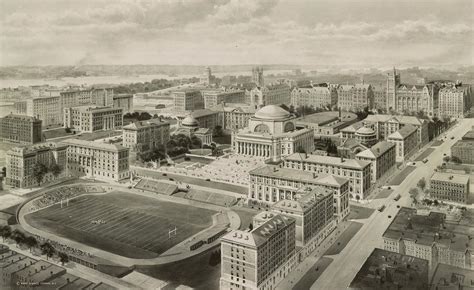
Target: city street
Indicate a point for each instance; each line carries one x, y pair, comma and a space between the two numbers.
346, 264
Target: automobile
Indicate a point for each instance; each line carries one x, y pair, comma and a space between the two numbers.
397, 197
381, 208
164, 174
452, 138
444, 154
208, 179
425, 160
171, 179
389, 216
389, 187
398, 206
414, 163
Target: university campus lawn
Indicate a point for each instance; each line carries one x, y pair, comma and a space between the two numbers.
129, 225
344, 239
313, 273
402, 175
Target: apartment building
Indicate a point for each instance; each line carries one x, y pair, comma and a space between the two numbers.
464, 151
108, 162
430, 237
450, 187
123, 101
313, 96
216, 97
187, 100
258, 259
144, 136
356, 171
270, 184
406, 142
454, 101
47, 109
382, 157
20, 129
21, 161
355, 97
91, 118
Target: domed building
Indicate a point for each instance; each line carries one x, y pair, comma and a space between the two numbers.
366, 136
189, 126
271, 132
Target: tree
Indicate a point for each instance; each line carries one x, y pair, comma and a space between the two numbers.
456, 159
435, 202
18, 237
218, 131
4, 171
413, 192
250, 226
47, 249
39, 171
446, 158
31, 242
55, 169
467, 170
421, 183
63, 258
5, 232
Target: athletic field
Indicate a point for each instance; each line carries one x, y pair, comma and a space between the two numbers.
126, 224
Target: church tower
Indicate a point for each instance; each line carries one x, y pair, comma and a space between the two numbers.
257, 76
393, 81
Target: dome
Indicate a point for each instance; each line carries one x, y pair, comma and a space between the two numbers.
272, 112
190, 121
365, 131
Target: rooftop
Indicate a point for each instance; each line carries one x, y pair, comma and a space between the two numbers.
294, 174
389, 270
469, 135
464, 144
323, 118
307, 198
336, 161
404, 132
272, 112
429, 229
27, 149
21, 117
202, 113
377, 150
353, 128
450, 177
399, 118
457, 278
144, 124
259, 235
94, 145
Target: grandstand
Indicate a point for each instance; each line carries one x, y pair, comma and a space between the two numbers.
156, 186
208, 197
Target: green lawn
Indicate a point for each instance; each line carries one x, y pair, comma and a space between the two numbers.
344, 239
359, 212
402, 175
425, 154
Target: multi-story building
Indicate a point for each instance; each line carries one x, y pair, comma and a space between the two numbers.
380, 98
47, 109
382, 157
406, 142
257, 76
464, 151
270, 184
384, 125
454, 101
187, 100
21, 162
258, 259
430, 237
216, 97
234, 116
97, 160
450, 187
326, 123
273, 94
20, 129
102, 97
91, 119
356, 171
124, 101
313, 96
143, 136
312, 210
272, 133
388, 270
206, 118
355, 97
411, 98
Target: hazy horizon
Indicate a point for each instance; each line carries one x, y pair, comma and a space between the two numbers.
378, 34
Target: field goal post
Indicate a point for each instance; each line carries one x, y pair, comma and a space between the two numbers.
172, 232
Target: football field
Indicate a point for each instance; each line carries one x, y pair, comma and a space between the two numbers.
125, 224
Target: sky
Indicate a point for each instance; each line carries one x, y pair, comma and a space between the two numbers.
370, 33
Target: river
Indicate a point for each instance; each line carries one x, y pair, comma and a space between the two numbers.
113, 80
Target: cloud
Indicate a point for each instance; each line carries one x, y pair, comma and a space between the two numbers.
220, 32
